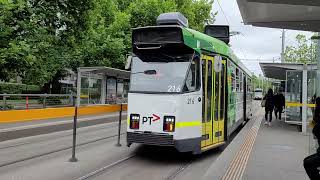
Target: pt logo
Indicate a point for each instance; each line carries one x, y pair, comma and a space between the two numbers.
152, 118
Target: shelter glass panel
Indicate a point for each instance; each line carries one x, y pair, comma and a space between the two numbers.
90, 89
293, 96
111, 97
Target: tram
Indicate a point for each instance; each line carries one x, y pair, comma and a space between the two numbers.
187, 89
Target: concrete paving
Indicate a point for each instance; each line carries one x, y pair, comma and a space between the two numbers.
278, 153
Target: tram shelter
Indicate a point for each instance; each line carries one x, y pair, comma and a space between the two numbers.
102, 85
288, 14
300, 87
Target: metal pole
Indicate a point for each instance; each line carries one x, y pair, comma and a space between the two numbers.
283, 45
73, 158
119, 126
304, 98
4, 102
44, 100
78, 87
27, 102
75, 118
318, 65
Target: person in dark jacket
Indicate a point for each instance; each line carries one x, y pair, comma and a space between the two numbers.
279, 104
312, 162
269, 106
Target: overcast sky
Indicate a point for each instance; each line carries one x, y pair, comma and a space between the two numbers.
256, 44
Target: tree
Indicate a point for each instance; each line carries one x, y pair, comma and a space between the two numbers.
145, 12
302, 53
41, 38
38, 37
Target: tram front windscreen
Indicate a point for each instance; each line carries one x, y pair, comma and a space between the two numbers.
161, 73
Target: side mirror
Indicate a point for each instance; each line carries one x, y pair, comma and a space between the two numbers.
128, 64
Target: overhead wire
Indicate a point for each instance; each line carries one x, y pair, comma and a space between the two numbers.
228, 22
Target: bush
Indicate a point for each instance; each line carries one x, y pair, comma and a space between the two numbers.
15, 88
33, 88
51, 101
12, 88
8, 107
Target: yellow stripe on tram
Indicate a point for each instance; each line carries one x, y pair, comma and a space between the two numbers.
188, 124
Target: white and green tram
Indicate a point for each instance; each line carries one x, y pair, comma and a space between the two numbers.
187, 88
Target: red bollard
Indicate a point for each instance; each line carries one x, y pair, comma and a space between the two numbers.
27, 102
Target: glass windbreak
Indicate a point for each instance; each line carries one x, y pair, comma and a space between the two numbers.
154, 74
294, 95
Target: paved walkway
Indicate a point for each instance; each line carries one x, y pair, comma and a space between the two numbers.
278, 153
260, 152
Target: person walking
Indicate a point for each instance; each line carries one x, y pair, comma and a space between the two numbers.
269, 106
312, 162
279, 104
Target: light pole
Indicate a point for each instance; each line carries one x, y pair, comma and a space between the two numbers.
283, 45
316, 38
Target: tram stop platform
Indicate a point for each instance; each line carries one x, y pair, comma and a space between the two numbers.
260, 152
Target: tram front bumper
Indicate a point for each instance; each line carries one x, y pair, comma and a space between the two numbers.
182, 145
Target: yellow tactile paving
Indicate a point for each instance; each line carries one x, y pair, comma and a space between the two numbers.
239, 162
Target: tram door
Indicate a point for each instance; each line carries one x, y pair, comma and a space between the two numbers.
213, 102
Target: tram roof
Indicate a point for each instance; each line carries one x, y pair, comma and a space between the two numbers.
203, 43
278, 70
211, 44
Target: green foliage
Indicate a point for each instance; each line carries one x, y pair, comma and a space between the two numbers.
304, 52
6, 107
14, 88
51, 100
145, 12
261, 82
40, 38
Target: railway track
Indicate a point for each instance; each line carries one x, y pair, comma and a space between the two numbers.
183, 167
59, 136
56, 151
99, 171
105, 168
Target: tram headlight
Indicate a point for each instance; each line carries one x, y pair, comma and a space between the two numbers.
134, 121
169, 123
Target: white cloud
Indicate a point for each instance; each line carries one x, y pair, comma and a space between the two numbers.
256, 44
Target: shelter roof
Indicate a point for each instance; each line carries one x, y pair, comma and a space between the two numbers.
284, 14
278, 70
107, 71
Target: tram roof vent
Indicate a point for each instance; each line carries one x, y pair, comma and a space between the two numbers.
172, 18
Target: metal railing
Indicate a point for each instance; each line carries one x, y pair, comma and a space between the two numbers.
40, 101
34, 101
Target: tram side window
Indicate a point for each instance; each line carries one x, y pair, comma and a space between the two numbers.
232, 78
193, 79
203, 89
241, 82
237, 80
